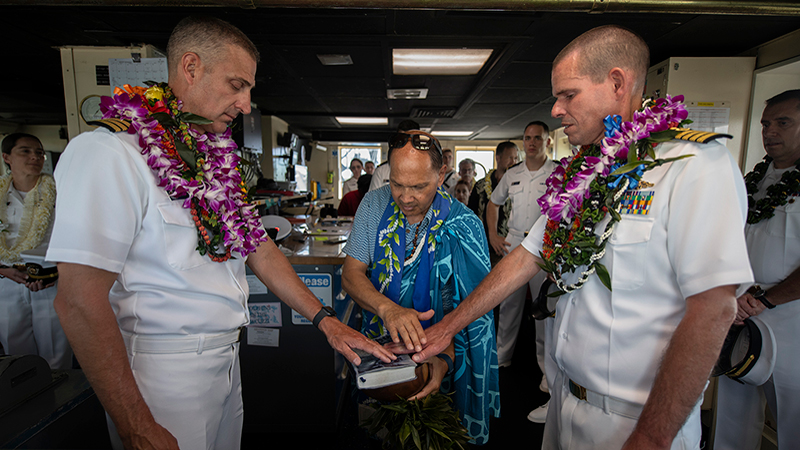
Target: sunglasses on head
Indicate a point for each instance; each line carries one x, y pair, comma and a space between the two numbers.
420, 140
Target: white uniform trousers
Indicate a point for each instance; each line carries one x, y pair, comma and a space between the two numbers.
196, 397
574, 424
29, 324
511, 312
740, 407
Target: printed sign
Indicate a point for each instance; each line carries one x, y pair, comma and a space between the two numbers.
321, 285
265, 314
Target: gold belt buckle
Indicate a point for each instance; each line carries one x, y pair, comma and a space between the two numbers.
577, 390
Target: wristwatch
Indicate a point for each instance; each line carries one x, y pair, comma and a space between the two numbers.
326, 311
449, 361
761, 295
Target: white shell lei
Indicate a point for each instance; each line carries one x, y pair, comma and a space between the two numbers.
36, 215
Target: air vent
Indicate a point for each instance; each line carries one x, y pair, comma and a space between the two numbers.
433, 113
407, 94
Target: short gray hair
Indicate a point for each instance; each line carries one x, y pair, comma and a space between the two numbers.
208, 37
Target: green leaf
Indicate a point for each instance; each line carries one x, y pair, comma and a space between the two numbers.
557, 293
405, 432
602, 273
165, 120
663, 136
194, 119
626, 168
187, 155
415, 436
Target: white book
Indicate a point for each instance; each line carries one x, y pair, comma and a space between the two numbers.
373, 373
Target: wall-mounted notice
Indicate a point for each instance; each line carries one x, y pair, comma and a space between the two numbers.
127, 71
265, 337
709, 116
321, 285
266, 314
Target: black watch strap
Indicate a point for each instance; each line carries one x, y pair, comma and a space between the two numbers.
447, 359
761, 296
326, 311
763, 299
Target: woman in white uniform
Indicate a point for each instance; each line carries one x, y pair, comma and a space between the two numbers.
28, 322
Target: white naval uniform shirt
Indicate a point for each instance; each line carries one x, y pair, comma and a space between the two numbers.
112, 215
688, 239
380, 177
350, 185
524, 187
774, 244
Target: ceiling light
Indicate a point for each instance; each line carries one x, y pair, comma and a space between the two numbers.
453, 133
438, 61
363, 120
407, 94
335, 60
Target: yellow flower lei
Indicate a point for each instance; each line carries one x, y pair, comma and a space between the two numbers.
36, 215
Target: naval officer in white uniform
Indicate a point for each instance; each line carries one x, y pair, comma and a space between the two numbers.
773, 243
524, 183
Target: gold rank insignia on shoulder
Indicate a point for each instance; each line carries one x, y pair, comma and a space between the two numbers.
115, 125
702, 137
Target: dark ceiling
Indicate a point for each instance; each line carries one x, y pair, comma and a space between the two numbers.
511, 90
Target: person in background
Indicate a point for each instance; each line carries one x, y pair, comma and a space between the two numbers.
450, 178
380, 177
462, 191
466, 171
505, 155
28, 322
412, 255
349, 204
352, 183
153, 307
774, 250
369, 167
522, 184
631, 363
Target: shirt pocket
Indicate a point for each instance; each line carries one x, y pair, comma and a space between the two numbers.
180, 236
516, 193
629, 246
786, 221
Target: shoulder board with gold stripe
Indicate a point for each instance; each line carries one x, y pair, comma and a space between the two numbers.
703, 137
115, 125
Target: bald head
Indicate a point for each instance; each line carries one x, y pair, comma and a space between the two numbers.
601, 49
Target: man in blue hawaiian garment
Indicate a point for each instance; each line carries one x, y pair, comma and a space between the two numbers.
412, 256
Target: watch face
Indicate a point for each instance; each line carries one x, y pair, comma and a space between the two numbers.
90, 108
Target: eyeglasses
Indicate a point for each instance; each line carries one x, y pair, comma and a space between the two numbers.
420, 140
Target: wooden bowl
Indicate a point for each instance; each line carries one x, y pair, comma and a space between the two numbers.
402, 390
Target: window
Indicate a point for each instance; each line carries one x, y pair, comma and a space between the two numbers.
362, 151
483, 157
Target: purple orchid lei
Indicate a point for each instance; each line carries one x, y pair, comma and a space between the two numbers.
589, 185
205, 173
564, 195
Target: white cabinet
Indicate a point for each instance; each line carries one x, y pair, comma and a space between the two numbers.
85, 73
710, 82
